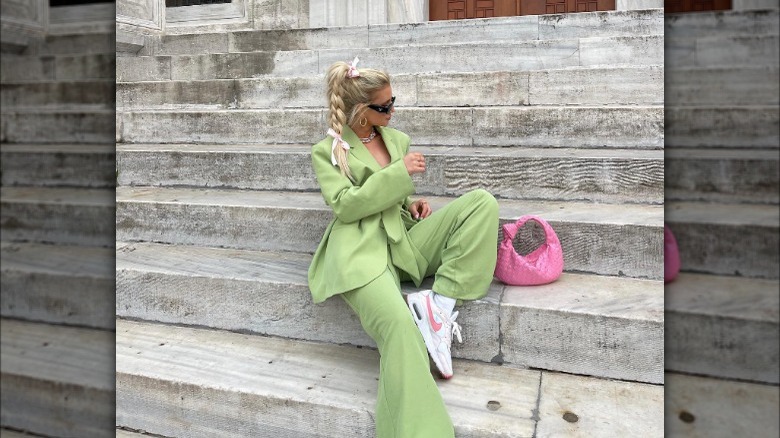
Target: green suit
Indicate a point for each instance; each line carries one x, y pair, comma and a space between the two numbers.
373, 244
368, 216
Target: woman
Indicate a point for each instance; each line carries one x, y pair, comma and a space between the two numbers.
379, 237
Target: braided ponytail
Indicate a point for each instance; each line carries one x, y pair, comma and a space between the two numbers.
337, 117
347, 99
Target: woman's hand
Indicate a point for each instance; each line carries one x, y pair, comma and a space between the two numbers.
420, 209
415, 163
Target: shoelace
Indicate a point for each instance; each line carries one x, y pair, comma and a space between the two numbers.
456, 327
453, 328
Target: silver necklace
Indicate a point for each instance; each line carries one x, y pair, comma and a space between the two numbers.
369, 138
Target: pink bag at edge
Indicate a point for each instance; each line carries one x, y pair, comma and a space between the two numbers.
543, 265
671, 256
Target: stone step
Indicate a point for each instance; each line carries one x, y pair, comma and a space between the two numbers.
8, 433
503, 29
74, 44
582, 324
58, 68
616, 176
725, 87
722, 175
707, 407
59, 125
639, 127
176, 382
722, 51
75, 165
723, 127
574, 86
58, 215
723, 327
467, 57
57, 380
722, 23
726, 239
59, 284
623, 240
120, 433
68, 94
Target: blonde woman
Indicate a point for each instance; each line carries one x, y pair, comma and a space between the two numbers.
379, 237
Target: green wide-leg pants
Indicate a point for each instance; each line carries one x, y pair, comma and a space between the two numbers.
459, 241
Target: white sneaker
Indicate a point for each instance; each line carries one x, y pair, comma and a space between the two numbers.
436, 327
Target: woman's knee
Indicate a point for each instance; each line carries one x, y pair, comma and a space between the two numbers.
485, 200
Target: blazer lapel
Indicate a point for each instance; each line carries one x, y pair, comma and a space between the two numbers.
392, 148
358, 150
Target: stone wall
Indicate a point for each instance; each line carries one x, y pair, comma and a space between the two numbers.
624, 5
22, 21
753, 4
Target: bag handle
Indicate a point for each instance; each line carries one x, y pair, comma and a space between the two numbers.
510, 229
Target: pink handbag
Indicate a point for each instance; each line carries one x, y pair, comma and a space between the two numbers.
543, 265
671, 256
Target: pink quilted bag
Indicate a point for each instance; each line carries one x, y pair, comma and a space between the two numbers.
671, 256
543, 265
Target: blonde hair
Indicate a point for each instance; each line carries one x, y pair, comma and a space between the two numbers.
347, 99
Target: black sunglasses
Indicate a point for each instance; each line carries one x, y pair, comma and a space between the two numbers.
383, 109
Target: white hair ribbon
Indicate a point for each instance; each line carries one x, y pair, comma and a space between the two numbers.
336, 140
353, 71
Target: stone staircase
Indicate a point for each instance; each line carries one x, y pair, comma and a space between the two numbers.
722, 195
218, 213
57, 249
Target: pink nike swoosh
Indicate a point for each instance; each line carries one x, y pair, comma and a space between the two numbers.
436, 325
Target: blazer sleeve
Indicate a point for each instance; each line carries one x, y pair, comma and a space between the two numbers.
349, 202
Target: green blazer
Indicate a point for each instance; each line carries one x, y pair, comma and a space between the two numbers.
370, 215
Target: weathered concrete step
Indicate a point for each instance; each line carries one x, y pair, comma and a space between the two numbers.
62, 93
597, 238
60, 68
723, 127
573, 86
722, 23
729, 86
57, 380
8, 433
722, 51
722, 175
726, 239
615, 176
723, 327
78, 165
58, 215
177, 381
59, 125
614, 330
121, 433
504, 29
466, 57
702, 406
74, 44
59, 284
554, 126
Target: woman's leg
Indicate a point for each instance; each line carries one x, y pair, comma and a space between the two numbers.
408, 402
460, 242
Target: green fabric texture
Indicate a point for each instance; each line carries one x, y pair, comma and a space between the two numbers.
367, 216
459, 242
409, 404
